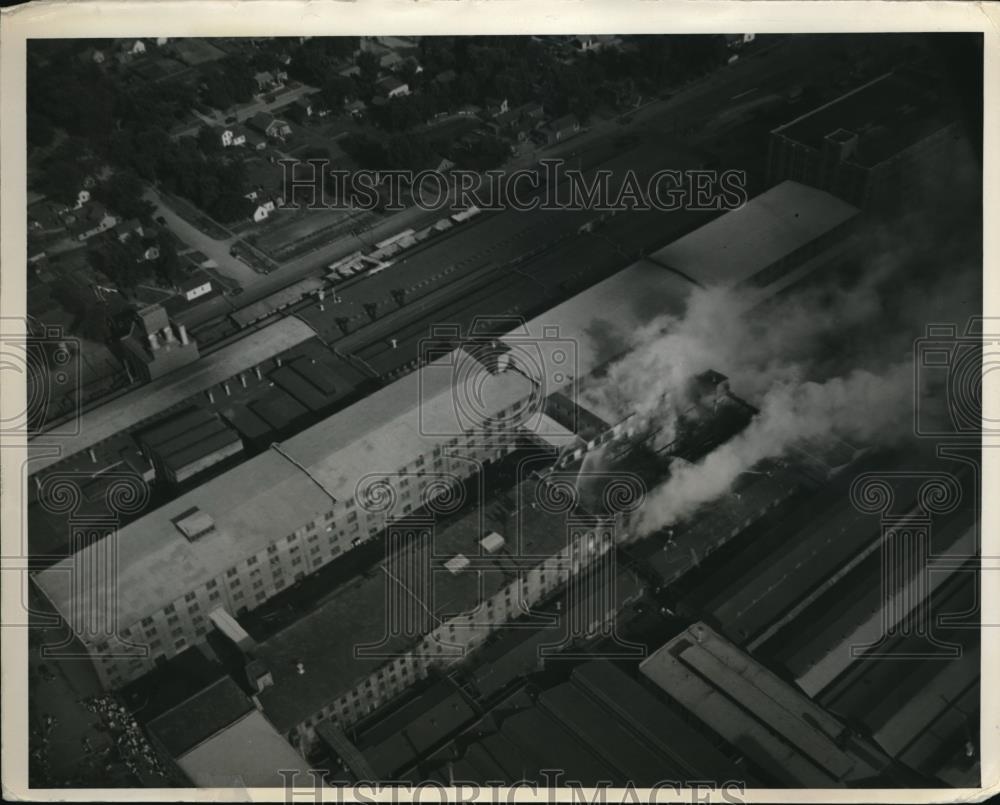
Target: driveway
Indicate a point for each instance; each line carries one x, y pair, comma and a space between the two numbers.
218, 250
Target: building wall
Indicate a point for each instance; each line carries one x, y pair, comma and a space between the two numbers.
311, 545
888, 184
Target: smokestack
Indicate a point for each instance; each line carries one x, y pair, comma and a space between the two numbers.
184, 334
153, 343
256, 371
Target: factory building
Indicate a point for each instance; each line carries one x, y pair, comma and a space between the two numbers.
601, 726
873, 145
242, 537
187, 444
779, 728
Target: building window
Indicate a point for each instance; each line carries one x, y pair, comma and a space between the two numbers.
194, 607
155, 645
211, 584
252, 560
169, 608
189, 597
237, 596
180, 643
279, 583
231, 572
213, 596
172, 620
292, 537
151, 633
146, 621
177, 633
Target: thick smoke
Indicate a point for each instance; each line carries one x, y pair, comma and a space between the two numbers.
830, 361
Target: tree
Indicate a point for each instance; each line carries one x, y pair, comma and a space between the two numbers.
168, 264
122, 192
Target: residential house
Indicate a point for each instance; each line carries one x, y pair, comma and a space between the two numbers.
266, 81
532, 110
253, 140
355, 108
81, 198
269, 126
562, 129
127, 229
93, 220
390, 61
133, 47
496, 106
262, 210
392, 87
304, 106
735, 41
196, 285
232, 137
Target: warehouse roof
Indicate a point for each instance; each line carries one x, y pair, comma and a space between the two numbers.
774, 723
270, 495
153, 398
246, 754
324, 641
736, 246
200, 717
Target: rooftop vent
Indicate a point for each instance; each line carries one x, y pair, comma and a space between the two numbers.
457, 564
492, 542
194, 524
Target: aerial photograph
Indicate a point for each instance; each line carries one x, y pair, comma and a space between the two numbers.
582, 411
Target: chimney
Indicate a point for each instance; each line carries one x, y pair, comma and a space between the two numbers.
168, 334
210, 395
300, 668
184, 334
277, 362
243, 380
92, 454
225, 387
256, 371
153, 343
394, 343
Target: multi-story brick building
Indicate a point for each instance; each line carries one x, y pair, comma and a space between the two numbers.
873, 146
141, 594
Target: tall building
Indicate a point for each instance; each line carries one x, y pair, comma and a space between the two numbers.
872, 146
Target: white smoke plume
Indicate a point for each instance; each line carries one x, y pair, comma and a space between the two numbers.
861, 406
832, 360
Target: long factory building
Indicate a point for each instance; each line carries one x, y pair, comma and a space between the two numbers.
229, 545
